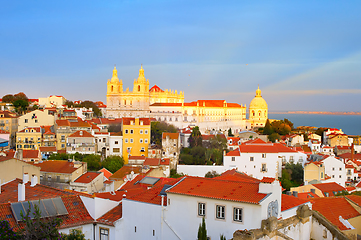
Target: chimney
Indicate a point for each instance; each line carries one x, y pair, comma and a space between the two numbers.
20, 154
25, 178
295, 193
313, 190
81, 133
289, 193
21, 192
34, 180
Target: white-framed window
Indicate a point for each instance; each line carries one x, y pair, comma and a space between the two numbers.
264, 167
116, 142
145, 131
145, 140
104, 233
263, 155
220, 212
141, 140
131, 131
131, 140
126, 130
141, 131
237, 214
251, 159
233, 159
126, 140
201, 209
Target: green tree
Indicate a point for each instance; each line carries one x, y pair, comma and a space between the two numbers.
93, 162
186, 159
6, 231
211, 174
157, 128
218, 142
273, 137
174, 174
59, 156
230, 134
222, 237
202, 230
296, 172
195, 139
113, 163
69, 103
9, 98
74, 234
36, 227
267, 130
20, 105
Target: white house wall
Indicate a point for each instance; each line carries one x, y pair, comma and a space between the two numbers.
199, 170
86, 229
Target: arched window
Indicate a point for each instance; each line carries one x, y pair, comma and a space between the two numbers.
253, 113
138, 88
112, 89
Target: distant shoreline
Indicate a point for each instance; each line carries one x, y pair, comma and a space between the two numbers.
315, 112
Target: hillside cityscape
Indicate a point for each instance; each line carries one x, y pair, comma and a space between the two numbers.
104, 170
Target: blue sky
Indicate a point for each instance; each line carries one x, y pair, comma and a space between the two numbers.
305, 55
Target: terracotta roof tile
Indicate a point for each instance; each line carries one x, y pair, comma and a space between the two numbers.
288, 202
35, 129
307, 195
268, 180
329, 188
87, 177
47, 149
111, 216
57, 166
106, 172
155, 88
126, 121
81, 133
31, 153
333, 207
219, 189
234, 153
62, 122
170, 135
156, 161
354, 198
125, 170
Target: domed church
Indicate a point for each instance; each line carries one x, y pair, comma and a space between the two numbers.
258, 111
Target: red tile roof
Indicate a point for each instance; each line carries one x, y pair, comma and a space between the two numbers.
155, 88
233, 175
31, 153
329, 188
268, 180
87, 177
354, 198
8, 114
113, 215
289, 202
170, 135
333, 207
307, 195
3, 132
234, 153
81, 133
57, 166
156, 161
36, 129
47, 149
125, 170
126, 121
219, 189
264, 148
106, 172
62, 122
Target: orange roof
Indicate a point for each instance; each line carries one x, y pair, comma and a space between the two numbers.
253, 147
156, 161
111, 216
57, 166
4, 132
125, 170
234, 153
31, 153
239, 191
333, 207
8, 114
81, 133
80, 123
155, 88
268, 180
329, 188
170, 135
233, 175
47, 149
288, 202
87, 177
126, 121
106, 172
106, 121
307, 195
354, 198
36, 129
62, 122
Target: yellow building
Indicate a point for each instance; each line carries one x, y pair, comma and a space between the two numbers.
337, 140
28, 138
136, 137
258, 111
136, 103
36, 118
9, 123
52, 101
314, 171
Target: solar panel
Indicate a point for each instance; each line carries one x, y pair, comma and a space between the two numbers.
42, 209
149, 180
17, 208
50, 208
58, 202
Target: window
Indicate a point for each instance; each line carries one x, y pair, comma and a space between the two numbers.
264, 167
145, 140
145, 131
201, 209
126, 140
251, 159
131, 140
233, 159
263, 155
220, 212
333, 169
340, 169
153, 232
321, 174
131, 131
126, 130
116, 150
339, 176
116, 142
333, 176
141, 131
104, 140
237, 214
26, 120
104, 233
141, 140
